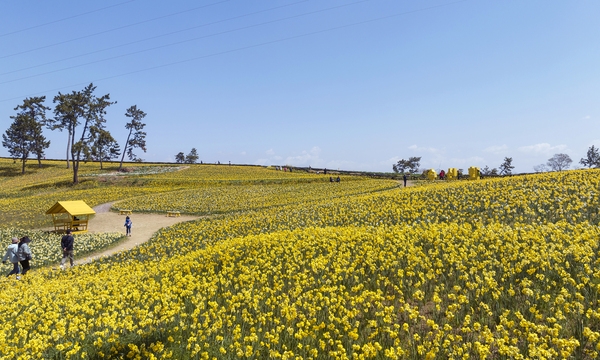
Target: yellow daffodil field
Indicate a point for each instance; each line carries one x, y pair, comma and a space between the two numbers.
294, 267
46, 246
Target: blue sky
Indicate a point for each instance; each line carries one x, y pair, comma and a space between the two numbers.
348, 84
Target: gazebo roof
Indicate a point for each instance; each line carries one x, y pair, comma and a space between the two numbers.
73, 208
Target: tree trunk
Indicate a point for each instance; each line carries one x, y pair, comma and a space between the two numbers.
125, 149
68, 147
75, 159
24, 156
75, 169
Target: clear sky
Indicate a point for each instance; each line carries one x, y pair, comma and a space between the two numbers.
348, 84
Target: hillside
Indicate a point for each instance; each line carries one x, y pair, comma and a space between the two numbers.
292, 266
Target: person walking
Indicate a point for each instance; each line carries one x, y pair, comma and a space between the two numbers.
11, 255
66, 243
127, 225
24, 254
404, 178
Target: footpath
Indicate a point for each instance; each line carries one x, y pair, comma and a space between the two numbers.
144, 226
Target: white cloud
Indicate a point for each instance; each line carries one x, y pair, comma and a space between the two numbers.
263, 162
243, 153
423, 149
496, 149
594, 142
587, 117
341, 165
393, 160
542, 149
471, 161
305, 157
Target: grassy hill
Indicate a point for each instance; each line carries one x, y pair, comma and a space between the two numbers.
293, 266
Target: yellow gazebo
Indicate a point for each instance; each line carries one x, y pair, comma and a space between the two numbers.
72, 215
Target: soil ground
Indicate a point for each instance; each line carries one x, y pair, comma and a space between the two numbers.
408, 183
144, 226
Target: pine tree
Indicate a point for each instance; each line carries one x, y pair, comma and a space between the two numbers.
506, 167
104, 146
80, 108
192, 157
592, 159
180, 158
136, 138
24, 136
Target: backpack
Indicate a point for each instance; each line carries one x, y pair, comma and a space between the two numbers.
21, 254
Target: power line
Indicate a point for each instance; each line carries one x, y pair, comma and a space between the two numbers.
154, 37
185, 41
243, 48
63, 19
113, 29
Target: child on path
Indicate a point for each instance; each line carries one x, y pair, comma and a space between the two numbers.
24, 254
11, 255
127, 225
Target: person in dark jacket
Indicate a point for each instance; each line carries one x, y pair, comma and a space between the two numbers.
24, 254
127, 225
66, 243
404, 178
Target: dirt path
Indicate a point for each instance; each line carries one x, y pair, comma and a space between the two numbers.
408, 183
144, 226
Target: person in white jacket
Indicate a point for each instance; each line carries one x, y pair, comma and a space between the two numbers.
11, 255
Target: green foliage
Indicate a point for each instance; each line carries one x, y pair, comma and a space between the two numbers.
411, 165
506, 167
136, 138
192, 157
24, 136
592, 159
80, 108
180, 158
104, 146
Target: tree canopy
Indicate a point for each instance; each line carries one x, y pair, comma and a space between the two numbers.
592, 158
411, 165
506, 167
104, 147
24, 136
192, 157
80, 108
559, 162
